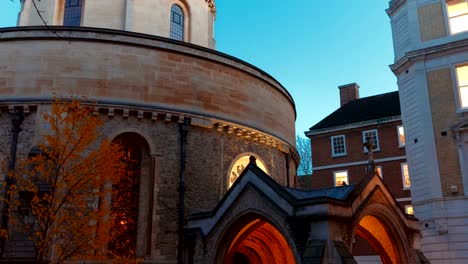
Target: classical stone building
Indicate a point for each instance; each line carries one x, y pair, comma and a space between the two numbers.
192, 118
431, 63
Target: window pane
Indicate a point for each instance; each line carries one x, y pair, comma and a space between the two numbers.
464, 96
72, 13
459, 24
406, 177
462, 75
338, 145
401, 136
409, 209
341, 178
456, 8
177, 23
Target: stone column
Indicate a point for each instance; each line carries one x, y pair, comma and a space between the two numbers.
329, 242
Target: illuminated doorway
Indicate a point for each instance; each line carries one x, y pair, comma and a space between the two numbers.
256, 241
372, 232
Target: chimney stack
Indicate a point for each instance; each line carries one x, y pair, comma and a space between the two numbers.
348, 93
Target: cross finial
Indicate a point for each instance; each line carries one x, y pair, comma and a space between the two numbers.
370, 151
370, 148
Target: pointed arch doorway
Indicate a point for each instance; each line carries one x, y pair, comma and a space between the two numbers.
254, 240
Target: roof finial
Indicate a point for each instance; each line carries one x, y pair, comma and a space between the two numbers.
253, 160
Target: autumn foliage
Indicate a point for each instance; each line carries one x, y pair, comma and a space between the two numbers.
62, 195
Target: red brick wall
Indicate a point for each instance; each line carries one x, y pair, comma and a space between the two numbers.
388, 141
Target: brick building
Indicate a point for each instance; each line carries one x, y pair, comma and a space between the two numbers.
430, 41
338, 154
340, 158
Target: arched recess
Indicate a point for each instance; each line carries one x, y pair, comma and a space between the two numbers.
128, 203
255, 240
384, 232
240, 163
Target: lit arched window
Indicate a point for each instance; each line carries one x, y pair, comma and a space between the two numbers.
239, 166
177, 23
72, 13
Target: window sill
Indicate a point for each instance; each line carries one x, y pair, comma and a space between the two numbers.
338, 155
401, 146
406, 188
375, 150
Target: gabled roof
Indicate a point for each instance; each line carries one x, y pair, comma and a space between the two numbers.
293, 202
364, 109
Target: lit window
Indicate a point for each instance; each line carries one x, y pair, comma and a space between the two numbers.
341, 178
409, 209
462, 78
177, 23
72, 13
338, 145
239, 167
458, 15
405, 176
401, 136
374, 138
379, 171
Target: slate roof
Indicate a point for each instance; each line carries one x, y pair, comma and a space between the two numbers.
364, 109
338, 193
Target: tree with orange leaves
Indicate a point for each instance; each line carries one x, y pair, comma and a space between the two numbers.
61, 196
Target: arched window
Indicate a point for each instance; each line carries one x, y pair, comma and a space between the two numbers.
177, 23
72, 13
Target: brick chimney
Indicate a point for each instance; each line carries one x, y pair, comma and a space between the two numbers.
348, 93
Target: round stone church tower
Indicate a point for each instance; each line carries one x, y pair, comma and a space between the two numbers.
185, 20
192, 114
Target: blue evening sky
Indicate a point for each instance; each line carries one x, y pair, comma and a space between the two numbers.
310, 46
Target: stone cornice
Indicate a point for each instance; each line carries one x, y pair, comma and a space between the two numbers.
429, 53
394, 5
140, 112
140, 40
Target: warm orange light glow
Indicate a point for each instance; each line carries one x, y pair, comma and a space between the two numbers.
409, 209
239, 167
371, 229
401, 136
462, 78
341, 178
259, 242
406, 176
458, 15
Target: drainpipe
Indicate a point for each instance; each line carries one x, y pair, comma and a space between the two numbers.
183, 129
286, 157
17, 119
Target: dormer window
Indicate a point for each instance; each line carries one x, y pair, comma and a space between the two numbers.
458, 15
177, 23
72, 13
